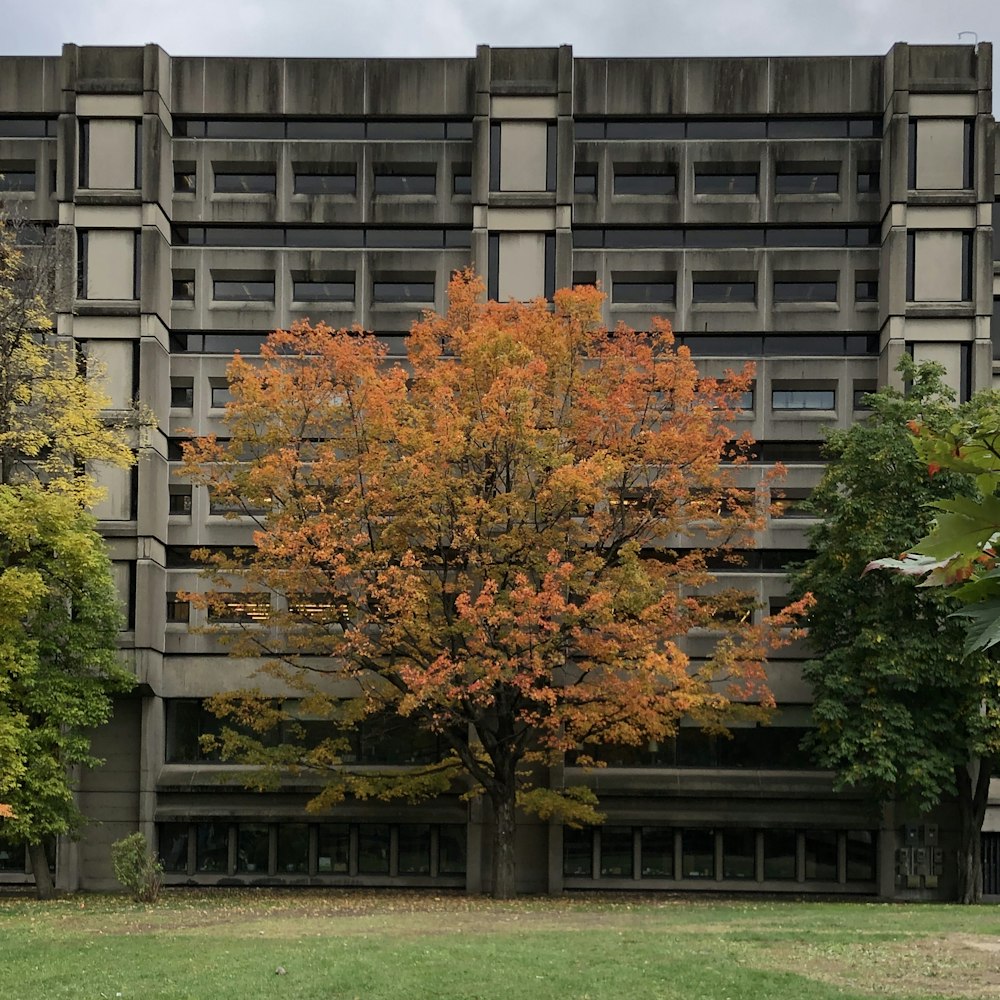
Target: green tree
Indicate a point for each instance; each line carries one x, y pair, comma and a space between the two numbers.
898, 708
59, 611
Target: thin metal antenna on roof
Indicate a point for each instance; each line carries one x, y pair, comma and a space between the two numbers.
974, 34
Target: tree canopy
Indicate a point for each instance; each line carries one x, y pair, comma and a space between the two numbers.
505, 541
60, 613
898, 707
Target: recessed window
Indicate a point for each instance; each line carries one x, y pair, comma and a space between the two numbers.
866, 290
642, 292
790, 181
461, 179
182, 289
803, 399
805, 291
241, 608
724, 291
644, 183
585, 179
221, 395
404, 183
244, 182
318, 183
323, 291
868, 181
698, 854
713, 182
403, 291
780, 850
13, 180
178, 611
182, 396
180, 501
789, 501
234, 290
185, 180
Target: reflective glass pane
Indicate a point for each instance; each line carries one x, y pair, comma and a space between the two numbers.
333, 848
779, 854
739, 849
253, 848
657, 852
821, 855
578, 854
616, 852
293, 848
213, 848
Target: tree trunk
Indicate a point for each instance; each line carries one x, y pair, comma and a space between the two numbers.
44, 885
504, 826
972, 801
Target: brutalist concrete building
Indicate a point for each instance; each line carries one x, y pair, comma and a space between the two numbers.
819, 216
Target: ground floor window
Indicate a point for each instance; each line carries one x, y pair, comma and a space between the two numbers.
257, 849
720, 855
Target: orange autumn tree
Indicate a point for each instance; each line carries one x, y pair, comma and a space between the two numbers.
505, 541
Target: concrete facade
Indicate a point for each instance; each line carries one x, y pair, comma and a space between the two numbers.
818, 216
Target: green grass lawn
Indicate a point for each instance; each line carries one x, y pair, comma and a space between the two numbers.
340, 945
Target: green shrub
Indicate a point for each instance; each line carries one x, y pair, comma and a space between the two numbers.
137, 868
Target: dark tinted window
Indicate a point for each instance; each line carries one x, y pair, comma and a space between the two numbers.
866, 291
345, 183
26, 128
239, 182
640, 130
807, 128
721, 183
324, 291
724, 291
642, 292
400, 183
645, 183
182, 290
745, 236
342, 129
868, 181
16, 180
739, 129
403, 291
622, 238
243, 291
406, 130
585, 183
795, 182
234, 128
461, 182
805, 291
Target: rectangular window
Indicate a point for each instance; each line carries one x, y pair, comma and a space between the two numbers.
821, 855
373, 849
244, 182
84, 151
803, 399
182, 289
82, 242
451, 849
724, 291
293, 849
642, 292
333, 849
578, 852
180, 501
585, 179
16, 180
495, 157
788, 181
788, 501
643, 183
698, 854
178, 612
391, 182
805, 291
493, 266
779, 855
243, 609
550, 265
969, 157
185, 180
231, 290
414, 849
253, 848
868, 181
861, 850
551, 146
966, 267
182, 396
657, 852
911, 265
333, 183
221, 395
212, 848
173, 839
323, 291
403, 291
616, 852
739, 854
724, 183
911, 154
866, 290
461, 180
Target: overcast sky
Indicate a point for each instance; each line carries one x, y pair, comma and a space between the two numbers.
454, 27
